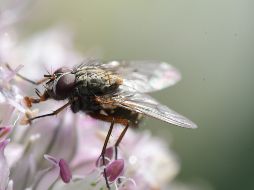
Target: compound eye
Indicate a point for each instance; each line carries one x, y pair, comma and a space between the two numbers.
64, 85
62, 70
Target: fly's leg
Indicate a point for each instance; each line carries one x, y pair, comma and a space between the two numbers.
113, 120
119, 120
120, 138
104, 150
51, 114
31, 100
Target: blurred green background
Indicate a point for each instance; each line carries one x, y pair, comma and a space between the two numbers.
211, 42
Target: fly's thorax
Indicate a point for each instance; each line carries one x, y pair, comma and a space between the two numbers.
96, 81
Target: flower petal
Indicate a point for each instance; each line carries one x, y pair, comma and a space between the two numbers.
6, 116
65, 139
5, 171
47, 178
51, 159
89, 182
10, 185
23, 171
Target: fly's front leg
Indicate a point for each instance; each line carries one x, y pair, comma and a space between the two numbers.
51, 114
31, 100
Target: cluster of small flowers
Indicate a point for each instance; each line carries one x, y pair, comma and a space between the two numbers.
63, 152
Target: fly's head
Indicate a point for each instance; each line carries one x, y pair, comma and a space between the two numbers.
61, 84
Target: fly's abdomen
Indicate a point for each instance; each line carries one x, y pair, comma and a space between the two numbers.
94, 81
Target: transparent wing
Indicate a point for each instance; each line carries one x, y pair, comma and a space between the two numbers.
141, 76
144, 104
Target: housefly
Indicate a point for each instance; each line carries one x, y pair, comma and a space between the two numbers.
114, 91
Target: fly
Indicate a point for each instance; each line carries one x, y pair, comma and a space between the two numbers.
114, 92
